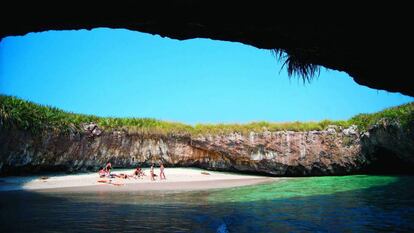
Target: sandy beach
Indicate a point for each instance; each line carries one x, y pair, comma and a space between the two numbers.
177, 179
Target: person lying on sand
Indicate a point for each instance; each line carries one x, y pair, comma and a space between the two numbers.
120, 175
110, 182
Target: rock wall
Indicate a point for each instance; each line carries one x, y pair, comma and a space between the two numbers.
334, 151
390, 146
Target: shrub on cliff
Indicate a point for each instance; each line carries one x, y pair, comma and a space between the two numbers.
404, 114
15, 112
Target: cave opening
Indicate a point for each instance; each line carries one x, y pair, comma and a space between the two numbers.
385, 162
135, 81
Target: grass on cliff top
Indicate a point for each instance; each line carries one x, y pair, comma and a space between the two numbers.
404, 114
15, 112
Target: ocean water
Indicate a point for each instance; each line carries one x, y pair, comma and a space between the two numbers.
361, 203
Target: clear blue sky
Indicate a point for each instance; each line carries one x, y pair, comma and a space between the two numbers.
130, 74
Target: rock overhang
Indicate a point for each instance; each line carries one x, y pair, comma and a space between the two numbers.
371, 44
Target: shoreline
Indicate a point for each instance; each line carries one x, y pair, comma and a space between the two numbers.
178, 179
172, 186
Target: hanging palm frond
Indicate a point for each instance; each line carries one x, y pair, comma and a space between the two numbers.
297, 64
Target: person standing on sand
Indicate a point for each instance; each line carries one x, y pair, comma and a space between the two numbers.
162, 175
152, 172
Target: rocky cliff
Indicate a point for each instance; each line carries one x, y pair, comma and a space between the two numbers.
334, 151
389, 147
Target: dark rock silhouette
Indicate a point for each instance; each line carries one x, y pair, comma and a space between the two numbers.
371, 43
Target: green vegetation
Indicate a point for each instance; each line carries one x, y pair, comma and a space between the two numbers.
15, 112
36, 118
404, 114
262, 125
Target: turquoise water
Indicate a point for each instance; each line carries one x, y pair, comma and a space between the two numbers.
322, 204
301, 187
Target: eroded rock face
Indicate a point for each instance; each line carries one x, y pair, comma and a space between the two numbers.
389, 138
287, 152
334, 151
92, 129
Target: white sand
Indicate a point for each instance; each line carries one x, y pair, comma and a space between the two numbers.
177, 179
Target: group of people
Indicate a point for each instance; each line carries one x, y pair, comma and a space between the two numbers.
105, 171
153, 175
138, 172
